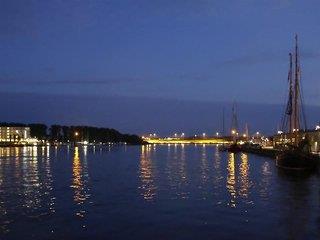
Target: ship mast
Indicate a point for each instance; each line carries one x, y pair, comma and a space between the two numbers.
234, 123
223, 131
296, 110
289, 109
288, 118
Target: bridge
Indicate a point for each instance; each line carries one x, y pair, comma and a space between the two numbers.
187, 140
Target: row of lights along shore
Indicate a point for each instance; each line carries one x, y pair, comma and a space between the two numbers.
217, 134
182, 135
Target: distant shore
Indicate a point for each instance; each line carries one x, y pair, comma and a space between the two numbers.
69, 134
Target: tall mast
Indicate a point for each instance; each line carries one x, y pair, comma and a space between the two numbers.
247, 131
296, 109
234, 123
289, 110
223, 130
288, 120
294, 113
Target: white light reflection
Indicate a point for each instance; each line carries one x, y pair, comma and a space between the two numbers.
204, 172
79, 182
147, 187
231, 180
183, 186
217, 176
265, 180
244, 176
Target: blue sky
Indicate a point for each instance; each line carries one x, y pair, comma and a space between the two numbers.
203, 50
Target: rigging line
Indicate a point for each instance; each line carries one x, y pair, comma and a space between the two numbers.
301, 96
285, 116
302, 104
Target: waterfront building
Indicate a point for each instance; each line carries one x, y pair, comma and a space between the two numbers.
14, 133
313, 136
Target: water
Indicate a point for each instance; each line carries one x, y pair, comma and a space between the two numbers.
156, 192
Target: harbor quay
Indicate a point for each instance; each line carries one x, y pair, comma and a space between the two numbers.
313, 137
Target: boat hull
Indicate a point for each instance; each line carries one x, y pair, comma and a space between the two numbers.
234, 148
295, 160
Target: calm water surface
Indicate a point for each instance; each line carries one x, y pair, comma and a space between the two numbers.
152, 192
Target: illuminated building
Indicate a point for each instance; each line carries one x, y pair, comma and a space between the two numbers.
14, 134
313, 136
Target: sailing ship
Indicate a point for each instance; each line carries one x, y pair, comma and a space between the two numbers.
234, 147
296, 154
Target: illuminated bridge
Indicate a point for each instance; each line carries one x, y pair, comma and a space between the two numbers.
186, 140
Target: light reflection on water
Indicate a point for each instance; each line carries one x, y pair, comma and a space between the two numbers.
204, 172
80, 181
231, 180
175, 172
147, 173
26, 183
187, 185
244, 176
210, 174
183, 175
265, 180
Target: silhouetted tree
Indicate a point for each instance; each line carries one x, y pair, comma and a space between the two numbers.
38, 130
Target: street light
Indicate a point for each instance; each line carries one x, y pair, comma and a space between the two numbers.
76, 134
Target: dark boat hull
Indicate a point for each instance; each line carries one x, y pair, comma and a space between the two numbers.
234, 148
296, 160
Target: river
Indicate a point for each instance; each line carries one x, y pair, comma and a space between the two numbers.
152, 192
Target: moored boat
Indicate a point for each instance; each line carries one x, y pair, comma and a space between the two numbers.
297, 158
296, 153
234, 148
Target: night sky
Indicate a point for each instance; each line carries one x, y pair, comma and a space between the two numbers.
159, 65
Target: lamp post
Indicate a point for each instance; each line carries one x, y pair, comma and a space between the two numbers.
76, 134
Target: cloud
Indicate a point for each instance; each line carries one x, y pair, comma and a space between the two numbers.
252, 59
270, 57
86, 81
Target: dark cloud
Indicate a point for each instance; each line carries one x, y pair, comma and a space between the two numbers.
252, 59
270, 57
140, 115
87, 81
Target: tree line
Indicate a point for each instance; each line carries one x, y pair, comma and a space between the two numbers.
63, 133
